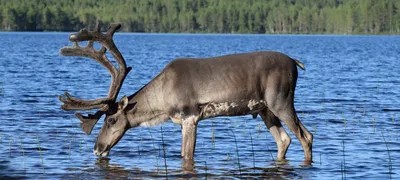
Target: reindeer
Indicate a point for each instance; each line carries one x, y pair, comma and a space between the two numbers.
189, 90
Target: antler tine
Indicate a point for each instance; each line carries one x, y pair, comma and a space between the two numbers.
106, 105
88, 122
123, 70
98, 25
90, 52
114, 27
71, 103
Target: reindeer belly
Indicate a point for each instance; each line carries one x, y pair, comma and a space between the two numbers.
242, 107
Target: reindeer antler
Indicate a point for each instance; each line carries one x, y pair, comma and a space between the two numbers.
105, 105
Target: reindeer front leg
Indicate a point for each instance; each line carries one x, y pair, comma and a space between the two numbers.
189, 133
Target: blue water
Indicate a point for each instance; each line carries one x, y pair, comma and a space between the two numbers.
348, 97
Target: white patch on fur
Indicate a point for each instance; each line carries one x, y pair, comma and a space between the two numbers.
221, 106
234, 105
256, 104
216, 109
177, 118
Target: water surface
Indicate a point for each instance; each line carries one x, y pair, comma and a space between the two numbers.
348, 97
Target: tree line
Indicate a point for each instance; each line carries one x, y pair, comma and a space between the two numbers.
206, 16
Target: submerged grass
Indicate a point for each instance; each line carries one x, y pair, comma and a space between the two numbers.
23, 152
56, 137
140, 146
341, 170
80, 146
259, 129
228, 157
40, 152
344, 162
315, 129
70, 148
390, 159
86, 146
237, 153
252, 151
9, 146
205, 168
373, 123
393, 118
320, 159
155, 149
212, 134
165, 155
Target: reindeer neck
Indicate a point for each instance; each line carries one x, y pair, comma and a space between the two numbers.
150, 107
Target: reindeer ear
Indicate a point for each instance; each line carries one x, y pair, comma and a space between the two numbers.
123, 103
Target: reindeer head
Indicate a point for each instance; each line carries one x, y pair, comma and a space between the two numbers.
114, 128
116, 122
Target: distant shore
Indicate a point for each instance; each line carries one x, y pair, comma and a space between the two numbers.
206, 16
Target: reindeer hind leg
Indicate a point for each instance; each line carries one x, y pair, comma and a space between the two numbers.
289, 117
282, 139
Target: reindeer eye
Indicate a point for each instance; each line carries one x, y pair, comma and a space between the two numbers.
111, 121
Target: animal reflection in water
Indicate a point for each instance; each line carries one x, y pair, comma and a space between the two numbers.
189, 90
103, 168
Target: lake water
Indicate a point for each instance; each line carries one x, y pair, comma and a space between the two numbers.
348, 97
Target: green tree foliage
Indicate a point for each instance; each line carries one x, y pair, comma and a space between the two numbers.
209, 16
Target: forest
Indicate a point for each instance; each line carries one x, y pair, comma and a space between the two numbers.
206, 16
